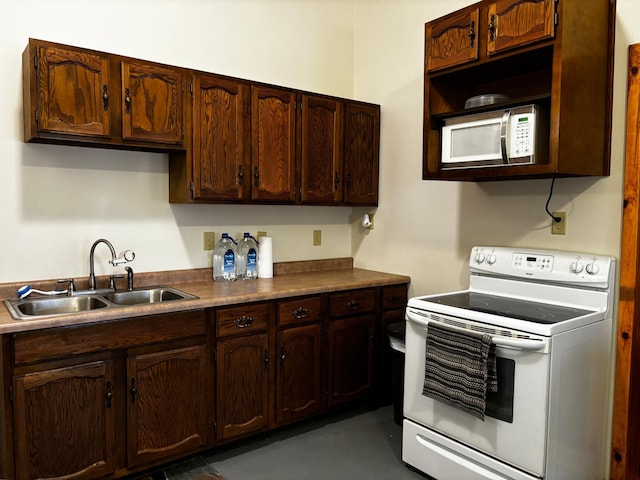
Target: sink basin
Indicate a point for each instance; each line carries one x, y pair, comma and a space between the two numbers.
33, 308
54, 306
147, 295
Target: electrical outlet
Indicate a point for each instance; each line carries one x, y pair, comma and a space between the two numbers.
371, 220
559, 228
317, 238
209, 240
261, 234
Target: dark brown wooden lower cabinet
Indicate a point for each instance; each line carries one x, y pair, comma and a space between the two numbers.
64, 422
299, 379
242, 374
351, 342
166, 408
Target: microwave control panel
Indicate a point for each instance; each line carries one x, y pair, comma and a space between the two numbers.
522, 138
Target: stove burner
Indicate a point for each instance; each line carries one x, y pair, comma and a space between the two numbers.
537, 312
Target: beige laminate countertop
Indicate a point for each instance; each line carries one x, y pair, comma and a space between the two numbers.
213, 294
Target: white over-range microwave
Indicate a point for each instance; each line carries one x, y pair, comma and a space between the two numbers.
505, 136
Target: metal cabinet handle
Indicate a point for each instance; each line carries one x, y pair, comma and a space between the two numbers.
492, 28
243, 321
105, 97
266, 359
240, 175
352, 305
127, 100
472, 34
300, 312
109, 395
133, 391
256, 176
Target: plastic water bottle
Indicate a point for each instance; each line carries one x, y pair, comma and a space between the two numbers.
247, 267
224, 259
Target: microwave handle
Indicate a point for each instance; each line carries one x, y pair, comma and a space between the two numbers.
503, 135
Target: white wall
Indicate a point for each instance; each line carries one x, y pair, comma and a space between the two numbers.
55, 201
425, 228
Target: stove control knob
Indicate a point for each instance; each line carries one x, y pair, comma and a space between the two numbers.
592, 268
576, 267
480, 257
491, 259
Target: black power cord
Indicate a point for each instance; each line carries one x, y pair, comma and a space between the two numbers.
546, 207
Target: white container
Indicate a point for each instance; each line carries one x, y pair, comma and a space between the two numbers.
247, 266
224, 259
265, 258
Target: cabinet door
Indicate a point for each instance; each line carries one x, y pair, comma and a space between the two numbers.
350, 358
273, 144
299, 385
452, 40
64, 422
242, 379
513, 23
221, 136
73, 92
321, 158
152, 103
361, 154
166, 404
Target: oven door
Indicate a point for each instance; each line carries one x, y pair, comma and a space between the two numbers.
514, 428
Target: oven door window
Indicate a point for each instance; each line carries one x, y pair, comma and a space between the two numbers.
499, 404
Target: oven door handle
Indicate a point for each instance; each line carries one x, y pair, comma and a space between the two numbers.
519, 343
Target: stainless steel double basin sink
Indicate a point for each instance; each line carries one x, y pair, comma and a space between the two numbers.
39, 307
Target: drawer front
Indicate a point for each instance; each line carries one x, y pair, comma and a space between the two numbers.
35, 346
297, 311
241, 319
394, 297
352, 302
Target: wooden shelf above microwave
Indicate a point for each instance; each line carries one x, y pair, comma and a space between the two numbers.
570, 67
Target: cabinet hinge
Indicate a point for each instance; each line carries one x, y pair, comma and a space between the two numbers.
215, 428
555, 14
191, 187
191, 88
35, 62
37, 115
11, 393
215, 356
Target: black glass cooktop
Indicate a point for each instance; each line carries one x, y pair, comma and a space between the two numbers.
510, 307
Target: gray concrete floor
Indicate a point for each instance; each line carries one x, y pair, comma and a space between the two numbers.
359, 444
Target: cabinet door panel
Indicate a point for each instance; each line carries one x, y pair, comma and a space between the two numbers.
452, 40
321, 160
221, 131
242, 380
361, 154
71, 88
513, 23
299, 383
350, 358
273, 144
166, 404
152, 103
64, 425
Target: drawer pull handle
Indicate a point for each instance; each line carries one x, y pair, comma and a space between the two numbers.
300, 312
243, 321
353, 305
394, 298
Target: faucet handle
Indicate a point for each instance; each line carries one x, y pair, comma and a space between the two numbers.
72, 286
112, 281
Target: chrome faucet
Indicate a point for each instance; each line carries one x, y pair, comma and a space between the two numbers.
126, 256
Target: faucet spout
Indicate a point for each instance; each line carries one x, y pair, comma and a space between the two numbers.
128, 256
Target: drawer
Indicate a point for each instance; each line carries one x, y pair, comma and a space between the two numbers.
394, 297
63, 342
352, 302
242, 319
300, 310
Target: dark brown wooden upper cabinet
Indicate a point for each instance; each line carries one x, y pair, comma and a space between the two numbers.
513, 23
453, 39
321, 154
361, 153
152, 103
273, 144
77, 96
67, 91
221, 138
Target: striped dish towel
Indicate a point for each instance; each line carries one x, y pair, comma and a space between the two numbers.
460, 367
